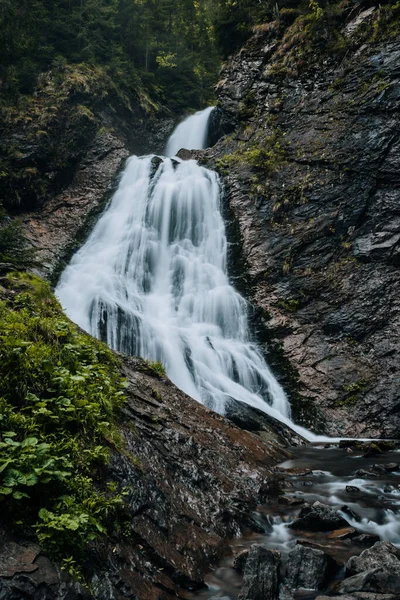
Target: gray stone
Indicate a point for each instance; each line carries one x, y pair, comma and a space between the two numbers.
307, 568
377, 569
318, 517
261, 574
381, 555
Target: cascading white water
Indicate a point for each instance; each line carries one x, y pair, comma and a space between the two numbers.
151, 280
190, 134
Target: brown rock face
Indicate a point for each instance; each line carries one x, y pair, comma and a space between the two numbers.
311, 178
196, 482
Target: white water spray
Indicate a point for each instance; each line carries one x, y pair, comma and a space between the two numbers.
151, 280
190, 134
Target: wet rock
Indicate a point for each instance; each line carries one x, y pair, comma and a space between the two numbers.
285, 593
220, 598
239, 562
180, 520
267, 427
374, 580
318, 517
366, 539
26, 574
290, 500
342, 534
377, 569
366, 474
391, 467
382, 554
352, 489
307, 568
319, 233
348, 511
155, 164
261, 574
185, 154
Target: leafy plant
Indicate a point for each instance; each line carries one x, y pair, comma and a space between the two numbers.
60, 395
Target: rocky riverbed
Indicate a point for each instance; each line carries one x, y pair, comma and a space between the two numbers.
335, 530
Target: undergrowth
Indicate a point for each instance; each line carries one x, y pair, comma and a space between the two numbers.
60, 395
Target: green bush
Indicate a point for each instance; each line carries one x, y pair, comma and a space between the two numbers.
60, 395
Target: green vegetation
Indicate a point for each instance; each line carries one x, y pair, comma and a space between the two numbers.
264, 155
158, 367
165, 47
351, 393
60, 394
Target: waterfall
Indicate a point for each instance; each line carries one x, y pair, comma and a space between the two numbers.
190, 134
151, 280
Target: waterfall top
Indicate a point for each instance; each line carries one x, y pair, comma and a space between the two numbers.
191, 134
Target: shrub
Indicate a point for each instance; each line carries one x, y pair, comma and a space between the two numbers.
60, 394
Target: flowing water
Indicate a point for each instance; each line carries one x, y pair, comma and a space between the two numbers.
151, 280
364, 490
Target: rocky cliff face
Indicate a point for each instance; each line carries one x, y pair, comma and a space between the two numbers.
196, 482
311, 172
61, 150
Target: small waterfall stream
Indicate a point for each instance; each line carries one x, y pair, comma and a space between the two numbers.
151, 280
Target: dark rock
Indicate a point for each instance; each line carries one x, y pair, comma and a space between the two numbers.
318, 517
307, 568
267, 427
375, 580
220, 598
285, 593
382, 554
377, 569
155, 164
318, 231
365, 474
391, 467
261, 574
352, 489
348, 511
366, 539
24, 574
239, 562
180, 520
290, 500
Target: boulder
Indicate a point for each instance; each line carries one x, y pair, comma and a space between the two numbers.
381, 555
261, 574
318, 517
307, 568
367, 581
377, 569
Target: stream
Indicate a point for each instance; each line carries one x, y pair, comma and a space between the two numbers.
370, 505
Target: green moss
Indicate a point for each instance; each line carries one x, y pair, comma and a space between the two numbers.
290, 304
351, 393
157, 367
264, 156
60, 395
